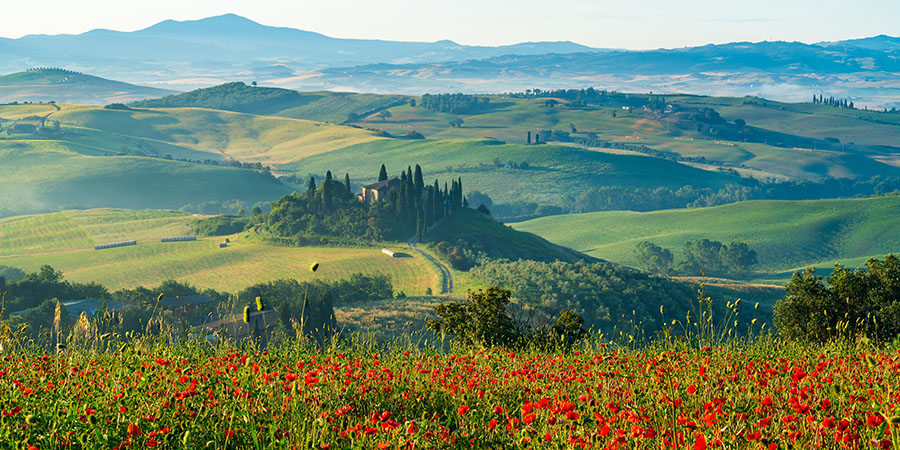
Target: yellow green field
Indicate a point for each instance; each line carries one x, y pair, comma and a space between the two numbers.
247, 137
65, 241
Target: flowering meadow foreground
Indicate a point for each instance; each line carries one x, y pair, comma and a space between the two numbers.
761, 395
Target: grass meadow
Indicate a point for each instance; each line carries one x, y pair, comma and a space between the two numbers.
787, 235
65, 241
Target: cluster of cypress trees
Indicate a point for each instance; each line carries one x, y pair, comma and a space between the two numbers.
421, 205
831, 101
331, 210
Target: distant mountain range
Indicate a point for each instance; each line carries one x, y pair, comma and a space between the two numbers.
198, 53
227, 45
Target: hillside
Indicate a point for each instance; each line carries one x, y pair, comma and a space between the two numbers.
65, 239
65, 86
480, 231
46, 175
237, 96
779, 140
552, 172
785, 234
217, 134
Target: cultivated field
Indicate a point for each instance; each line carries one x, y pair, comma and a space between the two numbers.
64, 240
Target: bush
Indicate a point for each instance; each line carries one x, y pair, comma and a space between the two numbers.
221, 225
483, 319
852, 303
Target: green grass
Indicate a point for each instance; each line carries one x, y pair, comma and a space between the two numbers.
498, 240
217, 134
319, 106
74, 230
70, 87
332, 106
64, 240
555, 170
787, 235
510, 118
47, 175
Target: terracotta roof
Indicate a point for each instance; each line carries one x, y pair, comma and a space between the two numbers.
383, 184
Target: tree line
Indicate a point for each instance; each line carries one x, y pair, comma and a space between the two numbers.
831, 101
612, 299
453, 103
38, 293
235, 96
700, 257
617, 198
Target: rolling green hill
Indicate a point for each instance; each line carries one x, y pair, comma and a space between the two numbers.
64, 240
318, 106
792, 140
786, 234
554, 171
65, 86
219, 134
46, 175
499, 241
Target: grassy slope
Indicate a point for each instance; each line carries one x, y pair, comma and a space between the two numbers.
45, 175
220, 133
509, 119
332, 106
500, 241
64, 241
786, 234
555, 171
70, 87
319, 106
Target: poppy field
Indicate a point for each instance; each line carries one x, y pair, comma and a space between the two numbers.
763, 395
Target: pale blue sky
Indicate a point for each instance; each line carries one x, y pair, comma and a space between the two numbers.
635, 24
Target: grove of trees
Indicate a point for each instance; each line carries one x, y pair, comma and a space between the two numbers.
333, 213
453, 103
848, 304
700, 257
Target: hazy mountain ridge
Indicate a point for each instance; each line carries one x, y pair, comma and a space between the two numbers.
198, 53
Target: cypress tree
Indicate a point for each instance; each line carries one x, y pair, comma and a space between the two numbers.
311, 186
328, 176
382, 175
419, 182
429, 206
436, 200
347, 183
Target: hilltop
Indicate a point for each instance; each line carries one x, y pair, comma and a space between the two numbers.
237, 96
66, 86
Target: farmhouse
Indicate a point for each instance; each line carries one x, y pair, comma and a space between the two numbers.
380, 190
